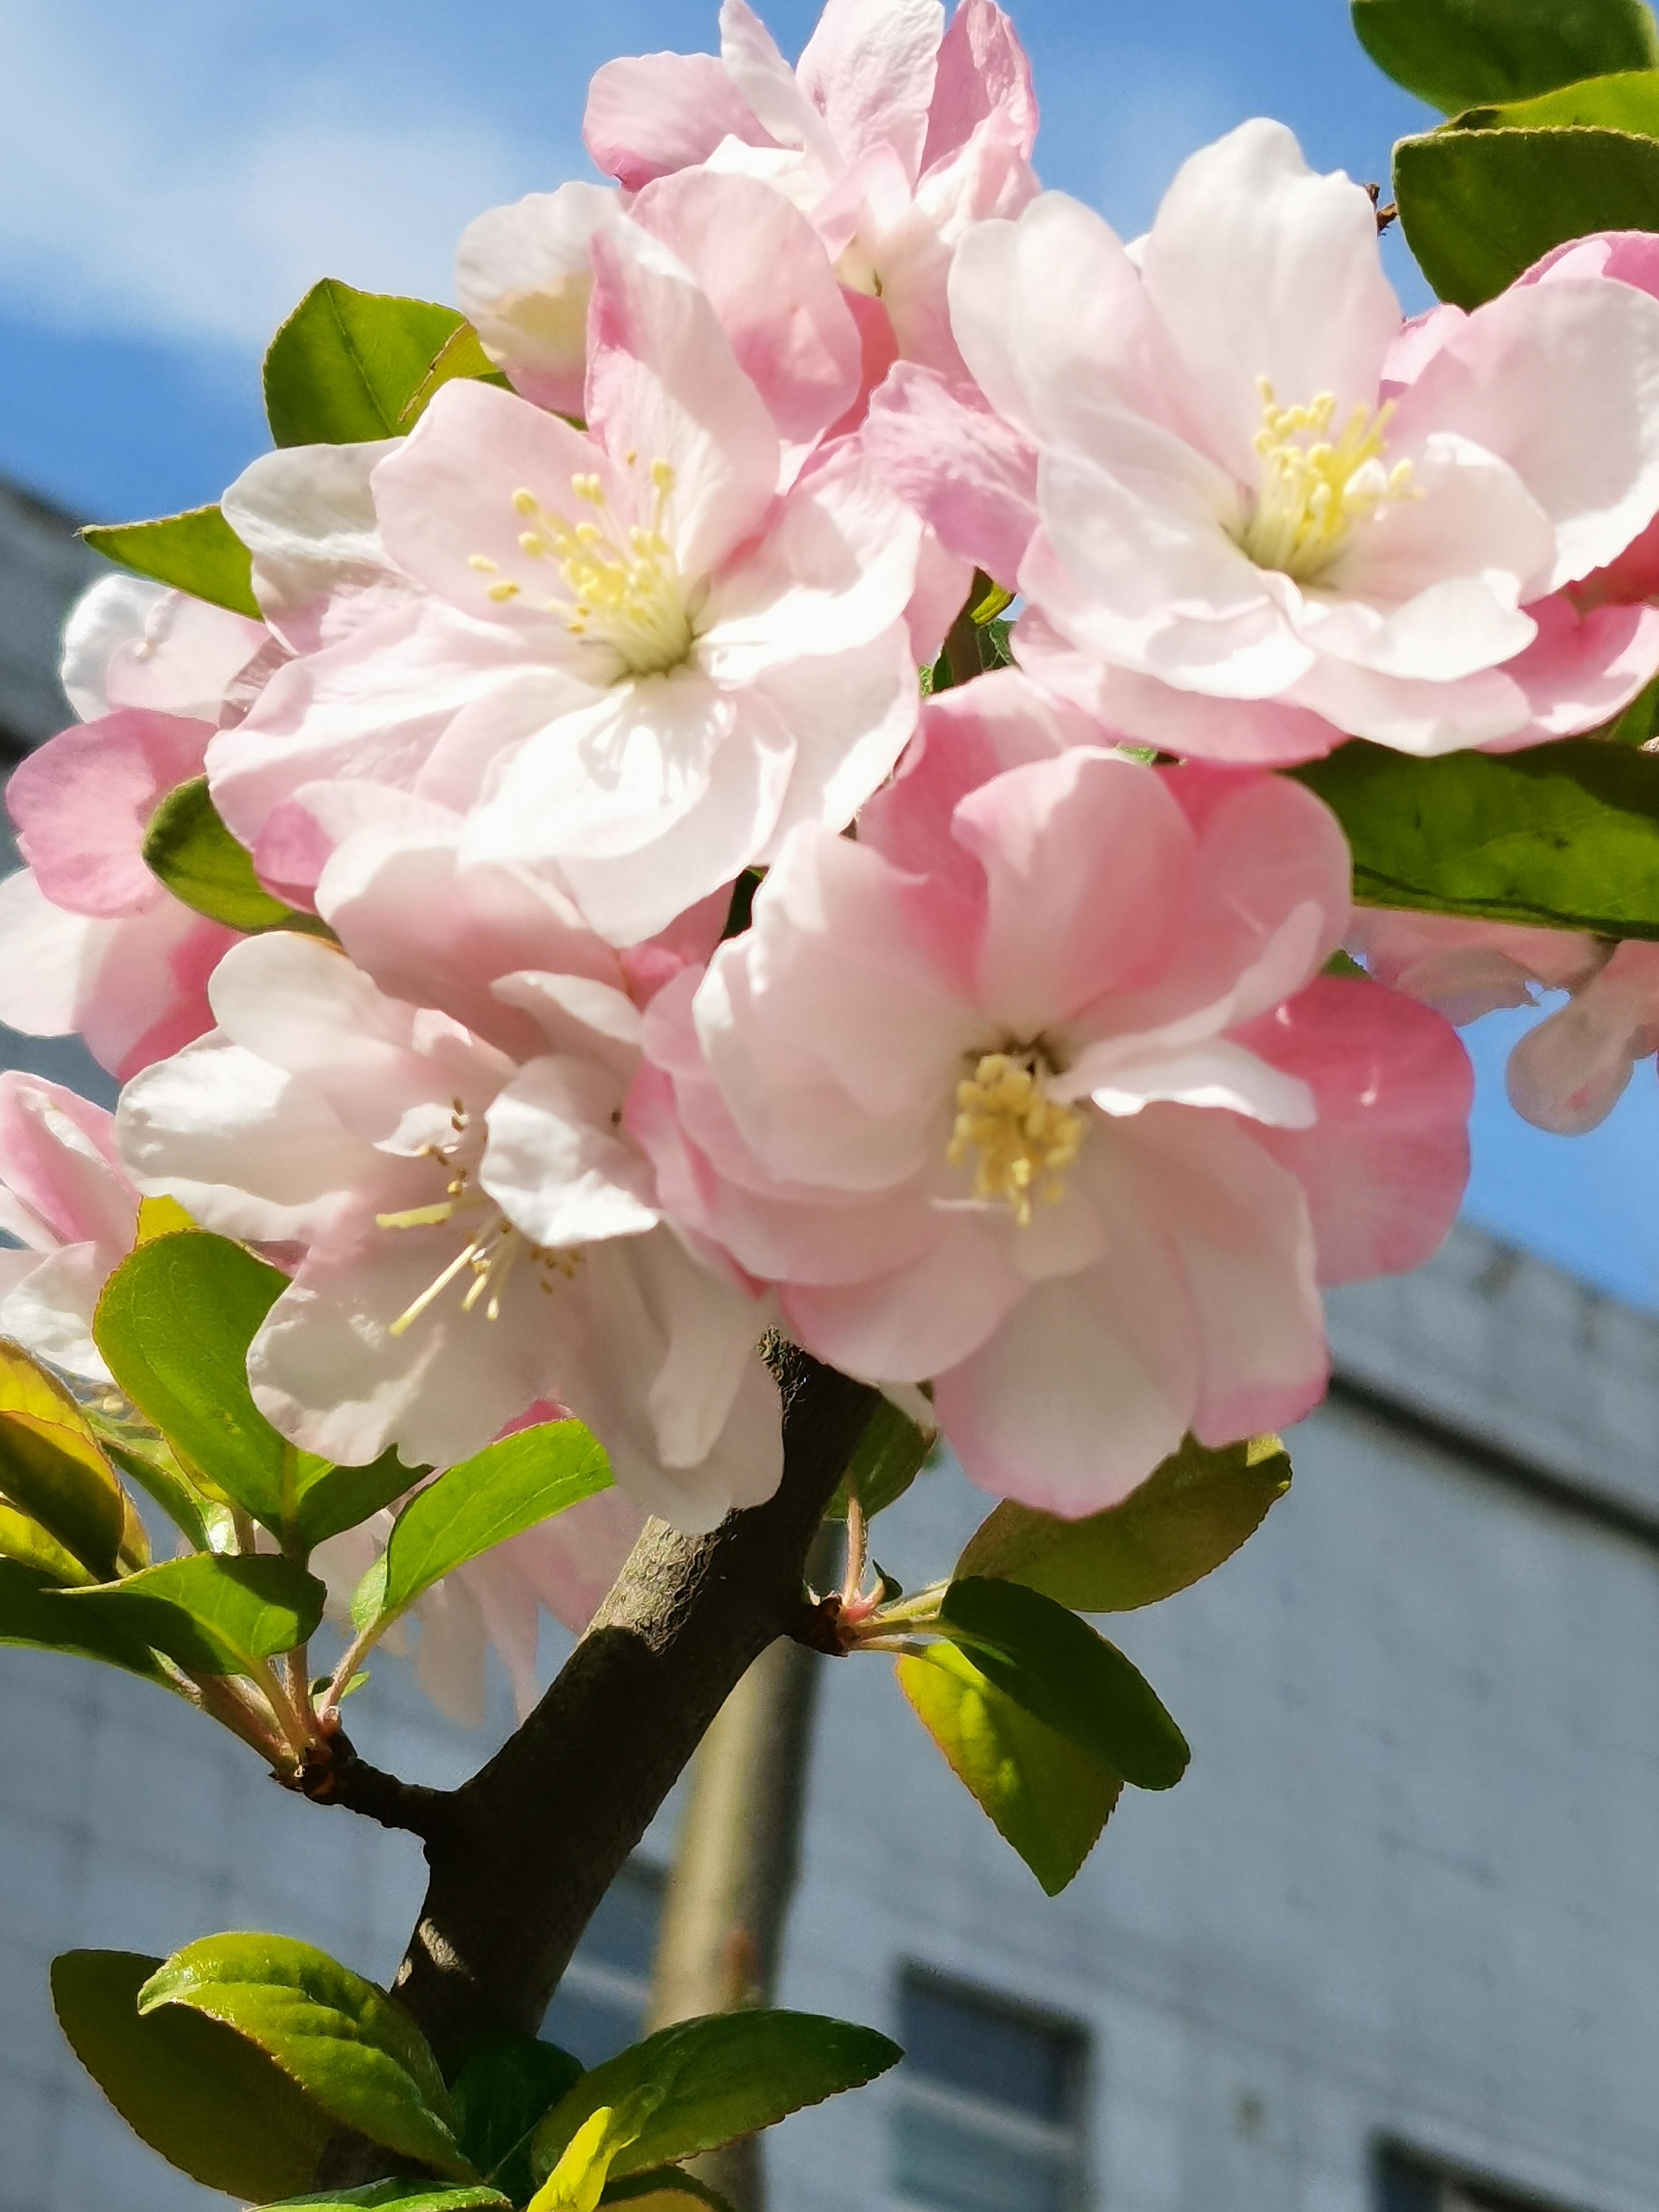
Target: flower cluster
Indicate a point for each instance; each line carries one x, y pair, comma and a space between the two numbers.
675, 960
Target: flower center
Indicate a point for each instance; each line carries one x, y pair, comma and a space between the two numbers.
1022, 1140
622, 586
491, 1252
1313, 487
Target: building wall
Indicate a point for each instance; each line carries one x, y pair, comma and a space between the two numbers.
43, 566
1406, 1891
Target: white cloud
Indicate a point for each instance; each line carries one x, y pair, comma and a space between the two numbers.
140, 194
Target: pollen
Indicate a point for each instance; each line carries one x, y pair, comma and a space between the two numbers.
1313, 487
623, 588
1021, 1139
492, 1248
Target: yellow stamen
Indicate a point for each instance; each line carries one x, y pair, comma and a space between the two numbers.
1315, 488
625, 587
1024, 1140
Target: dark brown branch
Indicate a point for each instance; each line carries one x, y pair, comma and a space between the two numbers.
524, 1850
333, 1774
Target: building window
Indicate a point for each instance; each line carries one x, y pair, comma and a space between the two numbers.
600, 2006
1407, 2183
990, 2111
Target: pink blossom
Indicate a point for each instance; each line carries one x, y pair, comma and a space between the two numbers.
89, 940
526, 275
478, 1233
1569, 1071
1466, 968
1253, 536
1035, 1091
893, 134
634, 666
73, 1212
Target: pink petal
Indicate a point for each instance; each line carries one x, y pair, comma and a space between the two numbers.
654, 113
1583, 668
523, 279
1091, 1381
982, 71
58, 1157
1568, 1072
436, 934
1241, 1227
772, 289
84, 801
920, 1320
869, 67
1086, 859
968, 473
1385, 1165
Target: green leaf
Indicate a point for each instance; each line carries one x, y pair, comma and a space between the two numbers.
1048, 1797
662, 2190
1056, 1667
348, 366
207, 2100
149, 1464
174, 1324
462, 355
1480, 206
328, 1498
51, 1467
506, 2089
710, 2080
188, 848
401, 2195
349, 2046
1629, 101
35, 1611
1185, 1519
1638, 722
501, 1491
27, 1542
197, 552
1456, 54
214, 1614
1564, 835
891, 1453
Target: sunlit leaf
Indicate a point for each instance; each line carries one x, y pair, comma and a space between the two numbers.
1564, 835
1480, 206
890, 1454
27, 1542
206, 2099
399, 2197
501, 1491
197, 552
1059, 1671
1457, 53
352, 2048
1049, 1797
215, 1615
461, 356
709, 2080
36, 1612
51, 1466
188, 848
347, 366
1184, 1520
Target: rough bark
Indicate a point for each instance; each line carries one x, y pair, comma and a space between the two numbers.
520, 1855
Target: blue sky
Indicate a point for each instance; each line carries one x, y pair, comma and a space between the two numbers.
173, 177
